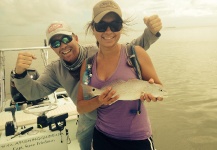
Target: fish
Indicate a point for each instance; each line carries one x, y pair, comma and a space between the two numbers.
128, 90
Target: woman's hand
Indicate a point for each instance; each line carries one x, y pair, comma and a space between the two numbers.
108, 97
149, 97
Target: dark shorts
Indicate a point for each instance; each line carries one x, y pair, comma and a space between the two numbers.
103, 142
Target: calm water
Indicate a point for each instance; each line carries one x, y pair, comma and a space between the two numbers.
187, 119
186, 62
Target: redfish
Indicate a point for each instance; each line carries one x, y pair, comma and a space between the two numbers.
131, 89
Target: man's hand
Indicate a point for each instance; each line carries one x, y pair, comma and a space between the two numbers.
24, 61
153, 23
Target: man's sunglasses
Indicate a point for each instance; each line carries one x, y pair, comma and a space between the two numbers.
102, 26
57, 43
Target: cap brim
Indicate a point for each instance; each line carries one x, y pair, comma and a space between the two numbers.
101, 15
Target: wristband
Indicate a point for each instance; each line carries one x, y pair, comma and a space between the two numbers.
19, 76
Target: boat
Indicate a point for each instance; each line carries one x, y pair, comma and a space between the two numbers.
53, 126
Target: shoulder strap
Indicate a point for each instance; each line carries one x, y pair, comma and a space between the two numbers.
88, 72
133, 60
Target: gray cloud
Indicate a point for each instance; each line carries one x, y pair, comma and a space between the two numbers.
30, 15
31, 11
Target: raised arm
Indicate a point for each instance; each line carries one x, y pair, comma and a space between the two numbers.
29, 88
151, 34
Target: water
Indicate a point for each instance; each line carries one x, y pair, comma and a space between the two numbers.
185, 60
187, 119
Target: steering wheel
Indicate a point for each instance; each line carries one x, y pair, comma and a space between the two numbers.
40, 109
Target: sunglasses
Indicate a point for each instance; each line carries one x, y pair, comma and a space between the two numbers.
57, 43
102, 26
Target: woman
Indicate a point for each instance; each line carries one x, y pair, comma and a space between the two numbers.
116, 127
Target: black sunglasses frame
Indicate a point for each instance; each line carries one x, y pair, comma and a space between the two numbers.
60, 41
115, 26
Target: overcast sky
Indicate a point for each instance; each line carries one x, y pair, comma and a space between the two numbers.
26, 17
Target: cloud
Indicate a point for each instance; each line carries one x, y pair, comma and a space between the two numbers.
21, 12
30, 15
26, 11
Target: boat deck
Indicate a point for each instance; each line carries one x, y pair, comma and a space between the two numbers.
24, 119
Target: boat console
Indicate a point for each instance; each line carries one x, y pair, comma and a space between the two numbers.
57, 132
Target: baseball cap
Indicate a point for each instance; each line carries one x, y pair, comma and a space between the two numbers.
58, 27
103, 7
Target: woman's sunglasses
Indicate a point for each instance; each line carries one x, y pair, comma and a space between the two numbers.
102, 26
57, 43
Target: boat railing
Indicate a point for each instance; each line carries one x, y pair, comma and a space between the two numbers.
44, 54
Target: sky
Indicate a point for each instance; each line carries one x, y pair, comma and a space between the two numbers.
32, 17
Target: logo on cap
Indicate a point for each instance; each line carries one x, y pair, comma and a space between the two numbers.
108, 4
53, 27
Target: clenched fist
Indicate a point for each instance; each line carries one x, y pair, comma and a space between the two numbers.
24, 61
153, 23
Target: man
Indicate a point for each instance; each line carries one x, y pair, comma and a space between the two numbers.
65, 71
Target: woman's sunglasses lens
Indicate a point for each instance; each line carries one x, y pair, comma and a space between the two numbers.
115, 26
101, 26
